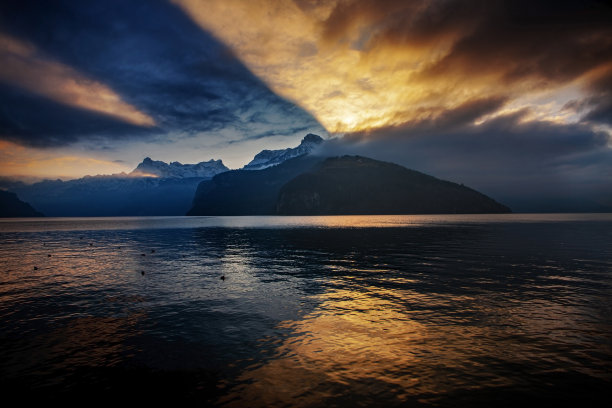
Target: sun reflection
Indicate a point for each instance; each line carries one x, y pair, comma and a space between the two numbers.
386, 339
354, 337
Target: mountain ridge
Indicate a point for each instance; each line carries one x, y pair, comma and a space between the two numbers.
284, 181
360, 185
12, 206
247, 192
268, 158
153, 188
311, 185
176, 169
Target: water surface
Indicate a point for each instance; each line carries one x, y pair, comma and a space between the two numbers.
442, 310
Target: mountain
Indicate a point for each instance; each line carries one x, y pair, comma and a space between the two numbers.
268, 158
152, 188
247, 192
340, 185
359, 185
177, 170
12, 206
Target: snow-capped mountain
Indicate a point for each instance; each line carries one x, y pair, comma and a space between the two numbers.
268, 158
178, 170
152, 188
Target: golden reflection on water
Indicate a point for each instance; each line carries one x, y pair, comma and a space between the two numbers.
367, 339
366, 321
356, 339
65, 265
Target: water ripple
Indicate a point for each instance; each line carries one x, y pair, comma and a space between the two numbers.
311, 311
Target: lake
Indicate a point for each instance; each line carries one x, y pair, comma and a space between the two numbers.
432, 310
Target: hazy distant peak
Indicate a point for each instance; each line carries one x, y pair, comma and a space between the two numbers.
268, 158
205, 169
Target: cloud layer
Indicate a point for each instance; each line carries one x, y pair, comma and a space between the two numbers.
118, 69
513, 97
531, 166
359, 65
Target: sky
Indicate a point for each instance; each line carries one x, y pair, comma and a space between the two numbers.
507, 96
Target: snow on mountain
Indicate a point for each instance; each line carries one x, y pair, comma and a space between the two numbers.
268, 158
178, 170
153, 188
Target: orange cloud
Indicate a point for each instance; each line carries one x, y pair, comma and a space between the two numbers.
23, 66
359, 65
20, 161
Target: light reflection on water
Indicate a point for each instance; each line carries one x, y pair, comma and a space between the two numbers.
434, 311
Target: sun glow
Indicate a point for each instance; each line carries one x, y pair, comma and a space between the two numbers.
24, 162
350, 78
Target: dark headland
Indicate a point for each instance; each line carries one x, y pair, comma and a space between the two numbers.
12, 206
334, 186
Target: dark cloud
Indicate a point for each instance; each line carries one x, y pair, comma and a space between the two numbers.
599, 104
507, 49
542, 43
530, 165
281, 132
401, 23
35, 121
148, 52
550, 39
504, 139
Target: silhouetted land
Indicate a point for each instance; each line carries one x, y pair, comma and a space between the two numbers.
12, 206
340, 185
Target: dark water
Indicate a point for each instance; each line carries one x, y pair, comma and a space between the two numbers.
323, 311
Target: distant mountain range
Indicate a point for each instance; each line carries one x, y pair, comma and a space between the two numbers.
309, 185
287, 181
177, 170
152, 188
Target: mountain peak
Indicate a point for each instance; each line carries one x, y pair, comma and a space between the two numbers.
178, 170
312, 138
269, 158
